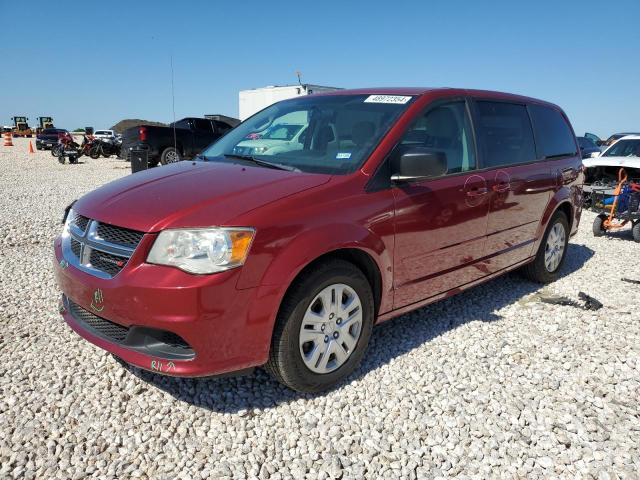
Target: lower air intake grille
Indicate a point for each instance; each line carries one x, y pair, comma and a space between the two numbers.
104, 328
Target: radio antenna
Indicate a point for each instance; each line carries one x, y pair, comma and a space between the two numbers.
173, 106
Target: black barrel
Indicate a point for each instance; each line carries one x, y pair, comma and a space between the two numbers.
139, 160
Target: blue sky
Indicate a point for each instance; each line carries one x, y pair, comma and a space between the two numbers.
97, 63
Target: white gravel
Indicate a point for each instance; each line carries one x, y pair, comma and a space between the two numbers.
489, 384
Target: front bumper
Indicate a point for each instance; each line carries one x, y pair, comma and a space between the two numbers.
225, 329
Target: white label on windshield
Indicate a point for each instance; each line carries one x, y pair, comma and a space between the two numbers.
397, 99
343, 155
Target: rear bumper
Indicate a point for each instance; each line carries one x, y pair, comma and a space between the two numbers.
224, 329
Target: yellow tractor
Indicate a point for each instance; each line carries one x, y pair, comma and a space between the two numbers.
21, 127
44, 122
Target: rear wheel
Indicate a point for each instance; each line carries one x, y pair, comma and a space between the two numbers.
598, 226
545, 267
170, 155
94, 152
323, 327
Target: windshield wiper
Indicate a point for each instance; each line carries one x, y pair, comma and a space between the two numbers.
262, 163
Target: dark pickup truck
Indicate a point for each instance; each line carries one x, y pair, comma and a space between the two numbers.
179, 141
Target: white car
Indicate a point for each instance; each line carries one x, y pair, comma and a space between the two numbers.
105, 134
603, 171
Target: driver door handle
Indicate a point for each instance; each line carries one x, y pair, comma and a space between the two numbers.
477, 191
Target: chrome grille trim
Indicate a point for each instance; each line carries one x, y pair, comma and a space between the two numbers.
82, 243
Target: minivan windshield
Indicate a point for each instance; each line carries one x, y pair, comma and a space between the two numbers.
624, 148
336, 132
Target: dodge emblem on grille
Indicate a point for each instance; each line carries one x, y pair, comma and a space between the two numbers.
97, 302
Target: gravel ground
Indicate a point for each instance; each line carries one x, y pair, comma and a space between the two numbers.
491, 383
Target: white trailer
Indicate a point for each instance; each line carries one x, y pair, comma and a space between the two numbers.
254, 100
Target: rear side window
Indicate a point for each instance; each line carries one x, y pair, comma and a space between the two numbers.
506, 134
553, 134
200, 124
222, 127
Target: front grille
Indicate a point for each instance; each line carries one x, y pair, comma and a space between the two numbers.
75, 247
104, 328
80, 222
106, 262
100, 249
121, 236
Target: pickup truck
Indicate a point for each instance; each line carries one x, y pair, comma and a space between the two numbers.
179, 141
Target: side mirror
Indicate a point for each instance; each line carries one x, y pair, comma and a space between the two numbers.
417, 163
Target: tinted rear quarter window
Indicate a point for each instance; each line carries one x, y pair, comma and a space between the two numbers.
203, 125
554, 137
506, 134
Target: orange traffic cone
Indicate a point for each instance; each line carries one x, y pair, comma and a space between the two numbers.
7, 140
31, 147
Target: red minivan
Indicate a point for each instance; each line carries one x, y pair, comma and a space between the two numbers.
286, 240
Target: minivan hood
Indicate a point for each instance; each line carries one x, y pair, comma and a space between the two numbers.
191, 194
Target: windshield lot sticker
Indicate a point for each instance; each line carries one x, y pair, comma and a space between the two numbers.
397, 99
343, 155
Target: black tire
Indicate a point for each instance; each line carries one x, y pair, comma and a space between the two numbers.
170, 155
38, 147
285, 361
61, 159
105, 155
598, 225
536, 270
635, 230
57, 150
94, 153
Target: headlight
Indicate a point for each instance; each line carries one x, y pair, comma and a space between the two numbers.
260, 150
203, 250
69, 215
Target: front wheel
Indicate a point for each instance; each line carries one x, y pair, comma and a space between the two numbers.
323, 327
545, 267
61, 159
56, 151
94, 153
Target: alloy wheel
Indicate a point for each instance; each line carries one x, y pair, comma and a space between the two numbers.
330, 328
554, 249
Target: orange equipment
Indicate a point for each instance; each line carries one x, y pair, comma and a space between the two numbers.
7, 140
609, 223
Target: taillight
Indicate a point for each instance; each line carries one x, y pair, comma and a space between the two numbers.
143, 134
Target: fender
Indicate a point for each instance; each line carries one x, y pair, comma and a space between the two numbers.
278, 266
561, 197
